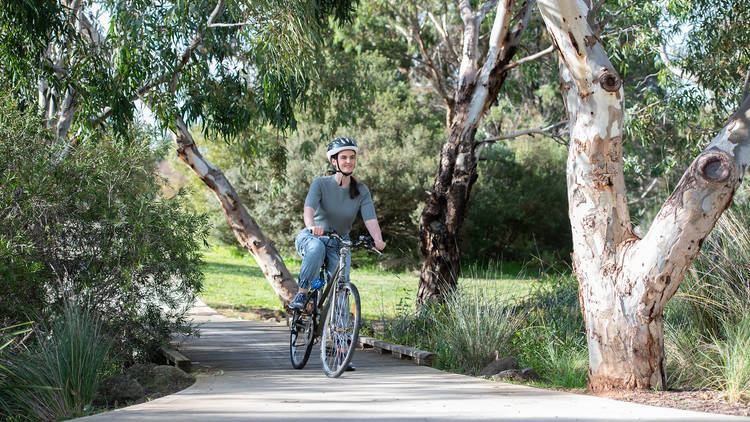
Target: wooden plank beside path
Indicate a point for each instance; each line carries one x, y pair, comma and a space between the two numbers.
420, 357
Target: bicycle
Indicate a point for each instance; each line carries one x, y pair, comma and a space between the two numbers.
339, 333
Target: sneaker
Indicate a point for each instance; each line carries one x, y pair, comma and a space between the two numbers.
350, 367
298, 304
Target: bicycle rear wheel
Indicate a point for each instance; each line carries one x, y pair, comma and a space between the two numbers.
301, 337
341, 330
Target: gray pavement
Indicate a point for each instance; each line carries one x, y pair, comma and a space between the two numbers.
248, 377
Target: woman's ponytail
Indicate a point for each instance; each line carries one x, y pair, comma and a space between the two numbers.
353, 188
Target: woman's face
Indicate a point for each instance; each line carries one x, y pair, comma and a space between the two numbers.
347, 160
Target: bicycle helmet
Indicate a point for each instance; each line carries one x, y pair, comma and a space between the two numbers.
341, 144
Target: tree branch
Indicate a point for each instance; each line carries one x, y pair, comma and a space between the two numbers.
529, 58
592, 16
67, 112
197, 41
436, 72
440, 26
140, 92
746, 86
485, 8
545, 131
228, 24
480, 145
646, 191
496, 43
164, 78
682, 73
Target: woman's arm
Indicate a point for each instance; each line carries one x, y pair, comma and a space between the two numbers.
309, 216
374, 228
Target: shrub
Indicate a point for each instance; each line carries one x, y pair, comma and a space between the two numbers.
518, 208
718, 285
58, 375
475, 326
463, 333
93, 227
553, 339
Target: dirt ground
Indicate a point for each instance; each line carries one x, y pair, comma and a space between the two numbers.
700, 401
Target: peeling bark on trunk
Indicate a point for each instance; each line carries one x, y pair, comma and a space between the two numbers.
448, 201
242, 223
444, 213
625, 282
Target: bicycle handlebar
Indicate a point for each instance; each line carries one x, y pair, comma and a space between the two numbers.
364, 242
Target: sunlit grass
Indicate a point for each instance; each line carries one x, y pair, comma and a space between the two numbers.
234, 280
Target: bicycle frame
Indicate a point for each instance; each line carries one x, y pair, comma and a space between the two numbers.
331, 284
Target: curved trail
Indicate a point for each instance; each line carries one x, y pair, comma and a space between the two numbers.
249, 377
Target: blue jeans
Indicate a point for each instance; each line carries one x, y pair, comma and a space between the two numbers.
313, 251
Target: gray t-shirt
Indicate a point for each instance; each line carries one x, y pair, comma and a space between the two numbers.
334, 209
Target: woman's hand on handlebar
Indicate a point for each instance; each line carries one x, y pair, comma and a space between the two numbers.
379, 245
316, 230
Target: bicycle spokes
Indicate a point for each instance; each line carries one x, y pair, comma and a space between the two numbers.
340, 331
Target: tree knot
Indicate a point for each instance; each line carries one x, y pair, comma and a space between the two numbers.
715, 166
610, 81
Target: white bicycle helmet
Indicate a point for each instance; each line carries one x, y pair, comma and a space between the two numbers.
340, 144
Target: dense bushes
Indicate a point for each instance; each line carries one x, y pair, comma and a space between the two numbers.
553, 339
543, 330
95, 229
519, 207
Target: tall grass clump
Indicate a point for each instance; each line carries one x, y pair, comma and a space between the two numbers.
56, 376
706, 324
8, 336
553, 339
476, 325
464, 332
732, 362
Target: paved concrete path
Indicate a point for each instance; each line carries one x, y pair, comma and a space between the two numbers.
249, 378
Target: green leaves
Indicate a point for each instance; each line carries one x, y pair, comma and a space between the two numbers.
96, 226
250, 66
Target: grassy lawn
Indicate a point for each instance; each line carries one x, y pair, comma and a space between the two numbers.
234, 280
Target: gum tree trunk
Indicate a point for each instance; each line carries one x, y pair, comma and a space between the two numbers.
242, 223
625, 282
448, 201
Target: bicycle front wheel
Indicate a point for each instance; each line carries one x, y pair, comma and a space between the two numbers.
341, 330
301, 338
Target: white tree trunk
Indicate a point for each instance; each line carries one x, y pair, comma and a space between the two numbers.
242, 223
625, 282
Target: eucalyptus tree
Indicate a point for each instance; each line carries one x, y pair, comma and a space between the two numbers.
463, 51
226, 66
626, 281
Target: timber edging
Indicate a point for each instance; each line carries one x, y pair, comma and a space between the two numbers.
176, 358
420, 357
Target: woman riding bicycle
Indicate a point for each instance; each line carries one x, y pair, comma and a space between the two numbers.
331, 205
